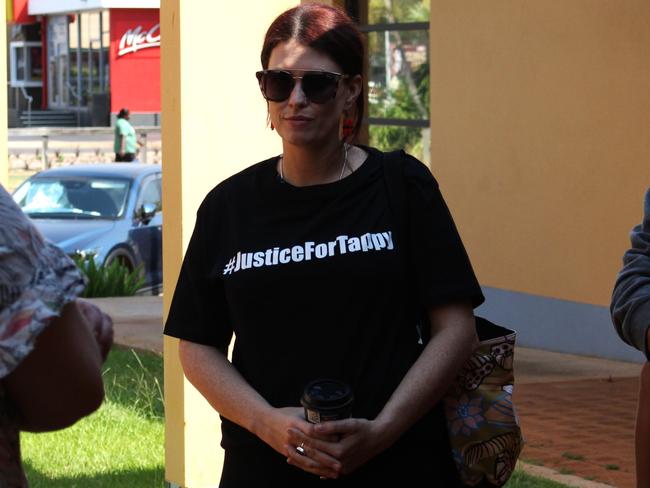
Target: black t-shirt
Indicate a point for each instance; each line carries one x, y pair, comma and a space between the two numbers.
311, 281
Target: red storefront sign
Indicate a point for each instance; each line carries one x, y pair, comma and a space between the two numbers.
19, 13
135, 60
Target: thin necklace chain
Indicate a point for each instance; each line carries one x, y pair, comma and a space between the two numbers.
345, 163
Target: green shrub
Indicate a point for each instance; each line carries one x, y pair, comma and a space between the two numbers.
114, 280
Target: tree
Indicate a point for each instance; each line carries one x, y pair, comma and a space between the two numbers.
398, 90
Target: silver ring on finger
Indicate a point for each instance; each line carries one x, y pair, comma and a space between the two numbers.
301, 449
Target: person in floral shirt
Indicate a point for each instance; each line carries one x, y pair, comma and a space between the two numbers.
52, 344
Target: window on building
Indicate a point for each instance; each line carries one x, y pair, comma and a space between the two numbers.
397, 33
25, 64
89, 42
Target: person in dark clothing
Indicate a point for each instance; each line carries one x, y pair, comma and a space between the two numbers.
630, 309
297, 258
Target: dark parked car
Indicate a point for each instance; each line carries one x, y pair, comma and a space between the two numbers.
111, 210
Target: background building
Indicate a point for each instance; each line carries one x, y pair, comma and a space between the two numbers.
74, 62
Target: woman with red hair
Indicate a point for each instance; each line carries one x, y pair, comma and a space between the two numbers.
297, 258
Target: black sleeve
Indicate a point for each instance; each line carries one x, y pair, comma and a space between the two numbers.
199, 311
443, 271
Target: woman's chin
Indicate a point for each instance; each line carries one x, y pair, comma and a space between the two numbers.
300, 138
306, 137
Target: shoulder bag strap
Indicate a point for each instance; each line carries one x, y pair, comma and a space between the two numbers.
398, 203
396, 188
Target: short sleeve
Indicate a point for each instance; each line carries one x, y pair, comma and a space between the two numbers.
198, 311
442, 268
36, 280
121, 127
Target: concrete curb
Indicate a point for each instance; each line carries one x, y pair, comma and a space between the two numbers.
565, 479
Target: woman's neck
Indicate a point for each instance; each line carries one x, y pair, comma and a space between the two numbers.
307, 166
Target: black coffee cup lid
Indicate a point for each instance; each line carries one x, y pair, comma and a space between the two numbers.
326, 393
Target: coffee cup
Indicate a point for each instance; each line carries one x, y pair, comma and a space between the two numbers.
327, 399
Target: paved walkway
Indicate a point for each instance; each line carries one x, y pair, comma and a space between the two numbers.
577, 413
580, 424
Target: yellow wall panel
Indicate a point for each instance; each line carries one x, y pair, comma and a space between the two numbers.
214, 124
540, 137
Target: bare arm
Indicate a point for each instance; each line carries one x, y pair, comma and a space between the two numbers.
60, 381
209, 370
453, 338
220, 383
642, 434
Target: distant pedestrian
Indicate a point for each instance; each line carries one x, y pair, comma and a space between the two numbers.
630, 309
126, 141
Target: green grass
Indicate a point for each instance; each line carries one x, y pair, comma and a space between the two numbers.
120, 445
572, 456
134, 380
534, 462
520, 479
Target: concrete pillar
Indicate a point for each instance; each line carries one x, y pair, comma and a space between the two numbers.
4, 163
214, 125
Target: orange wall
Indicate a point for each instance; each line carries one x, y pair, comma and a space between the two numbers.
540, 136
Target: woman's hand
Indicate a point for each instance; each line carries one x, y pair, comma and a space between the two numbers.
101, 325
284, 426
344, 445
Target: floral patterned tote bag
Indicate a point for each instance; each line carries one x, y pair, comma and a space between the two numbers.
484, 430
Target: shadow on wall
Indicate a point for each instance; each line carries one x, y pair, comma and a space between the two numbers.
557, 325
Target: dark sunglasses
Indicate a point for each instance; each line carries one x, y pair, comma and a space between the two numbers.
318, 86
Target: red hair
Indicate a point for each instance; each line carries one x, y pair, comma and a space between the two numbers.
326, 29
